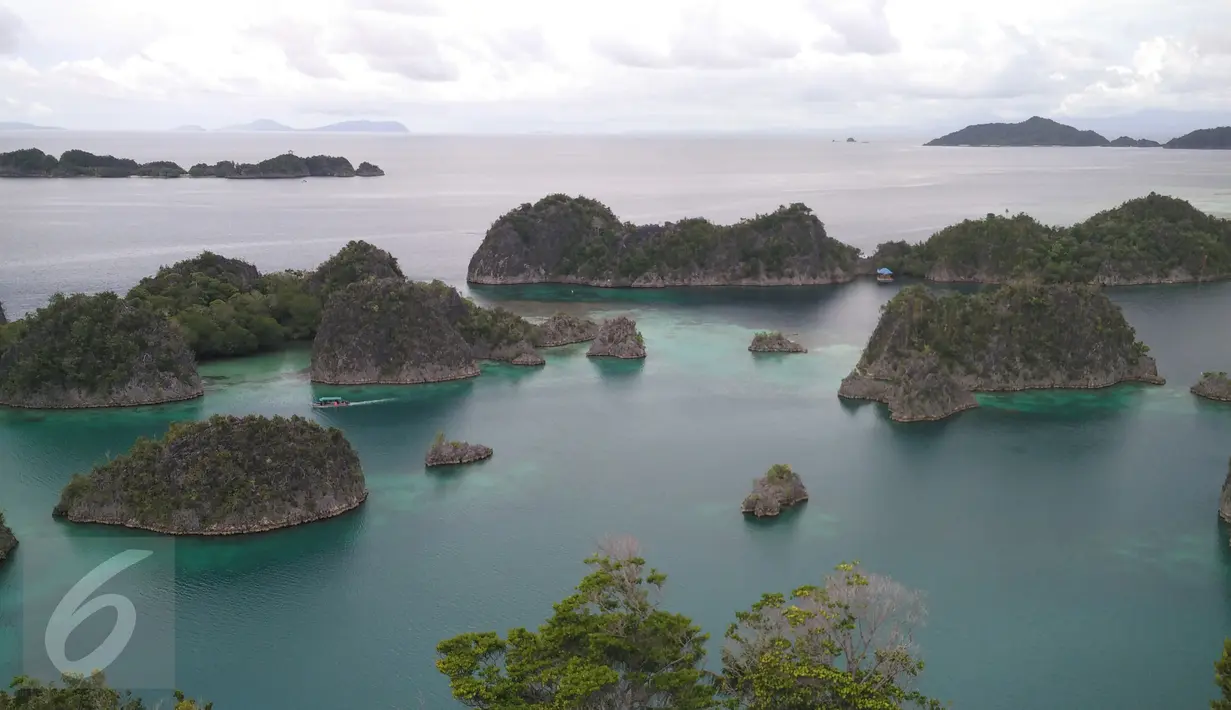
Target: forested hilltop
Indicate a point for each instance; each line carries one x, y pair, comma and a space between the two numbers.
1034, 131
563, 239
930, 351
32, 162
1152, 239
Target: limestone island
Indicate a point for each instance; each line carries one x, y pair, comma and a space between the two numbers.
577, 240
1224, 500
356, 261
1148, 240
1213, 385
224, 476
452, 453
618, 338
560, 329
779, 488
774, 342
1203, 139
1034, 131
84, 351
929, 352
8, 542
34, 163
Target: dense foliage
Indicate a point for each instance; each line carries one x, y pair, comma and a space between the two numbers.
221, 475
1222, 678
287, 165
1148, 239
845, 645
92, 345
1031, 132
78, 692
562, 238
32, 162
356, 261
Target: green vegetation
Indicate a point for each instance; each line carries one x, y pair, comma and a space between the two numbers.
843, 645
97, 349
1146, 240
1204, 138
287, 165
1034, 131
562, 238
780, 473
28, 162
226, 474
356, 261
1222, 678
78, 692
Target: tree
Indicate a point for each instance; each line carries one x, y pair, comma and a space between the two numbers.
79, 692
1222, 678
846, 645
608, 646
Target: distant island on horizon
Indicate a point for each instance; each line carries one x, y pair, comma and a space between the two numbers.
1037, 131
22, 126
267, 125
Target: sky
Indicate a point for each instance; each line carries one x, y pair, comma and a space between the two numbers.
443, 66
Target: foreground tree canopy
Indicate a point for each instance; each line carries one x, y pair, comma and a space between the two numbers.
77, 692
846, 644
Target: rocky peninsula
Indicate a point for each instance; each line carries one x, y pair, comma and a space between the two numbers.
453, 453
8, 542
1203, 139
95, 351
774, 342
389, 331
577, 240
1034, 131
929, 352
560, 329
779, 488
223, 476
1213, 385
618, 338
34, 163
1148, 240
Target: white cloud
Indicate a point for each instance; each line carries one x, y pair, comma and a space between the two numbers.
674, 64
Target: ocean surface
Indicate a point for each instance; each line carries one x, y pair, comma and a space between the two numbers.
1068, 543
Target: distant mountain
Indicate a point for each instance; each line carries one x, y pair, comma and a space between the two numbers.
1126, 142
1205, 138
19, 126
190, 128
363, 127
1034, 131
263, 124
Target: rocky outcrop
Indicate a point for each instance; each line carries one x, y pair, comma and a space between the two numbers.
97, 351
388, 331
452, 453
3, 318
779, 488
8, 542
619, 338
577, 240
774, 342
223, 476
929, 352
1224, 500
1213, 385
367, 169
564, 329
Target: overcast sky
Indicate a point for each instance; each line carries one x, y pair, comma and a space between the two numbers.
580, 65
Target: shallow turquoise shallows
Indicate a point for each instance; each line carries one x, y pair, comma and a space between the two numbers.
1068, 542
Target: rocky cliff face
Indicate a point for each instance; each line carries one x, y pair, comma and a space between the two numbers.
564, 329
3, 318
774, 342
779, 488
97, 351
223, 476
619, 338
577, 240
928, 351
1213, 385
8, 542
388, 331
452, 453
1224, 501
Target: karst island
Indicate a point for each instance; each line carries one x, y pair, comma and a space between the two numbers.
84, 351
558, 330
224, 476
8, 542
774, 342
34, 163
618, 338
1213, 385
930, 351
578, 240
779, 488
454, 453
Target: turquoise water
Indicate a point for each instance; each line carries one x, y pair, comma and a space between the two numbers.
1068, 543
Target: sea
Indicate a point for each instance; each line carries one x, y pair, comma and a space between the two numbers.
1067, 543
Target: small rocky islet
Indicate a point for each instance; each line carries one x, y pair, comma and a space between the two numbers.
226, 475
618, 338
8, 541
34, 163
1213, 385
930, 352
779, 488
774, 342
454, 453
558, 330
